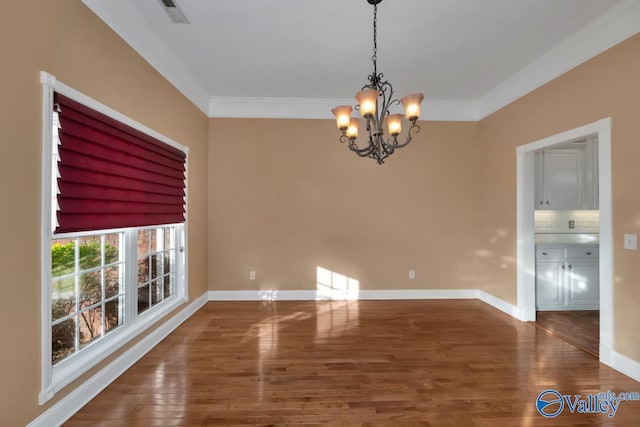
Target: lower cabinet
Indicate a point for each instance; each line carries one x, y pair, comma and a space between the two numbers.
567, 278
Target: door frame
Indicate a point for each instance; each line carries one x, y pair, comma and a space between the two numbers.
525, 159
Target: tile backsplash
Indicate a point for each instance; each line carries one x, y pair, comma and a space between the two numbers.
586, 221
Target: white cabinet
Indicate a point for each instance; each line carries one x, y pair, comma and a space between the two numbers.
566, 177
567, 278
549, 291
583, 288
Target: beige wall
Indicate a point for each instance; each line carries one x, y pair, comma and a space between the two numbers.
606, 86
285, 196
67, 40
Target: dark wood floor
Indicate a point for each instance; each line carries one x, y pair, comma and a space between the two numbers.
580, 328
435, 363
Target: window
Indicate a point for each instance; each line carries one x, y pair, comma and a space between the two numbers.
114, 217
86, 296
156, 250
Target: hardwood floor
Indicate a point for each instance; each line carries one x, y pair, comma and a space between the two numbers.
433, 362
580, 328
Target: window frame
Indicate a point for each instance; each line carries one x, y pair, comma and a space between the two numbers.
54, 378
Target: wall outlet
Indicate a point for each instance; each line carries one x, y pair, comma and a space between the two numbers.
572, 224
631, 241
412, 274
252, 275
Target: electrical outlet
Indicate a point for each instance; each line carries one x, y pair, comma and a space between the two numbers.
572, 224
412, 274
631, 241
252, 275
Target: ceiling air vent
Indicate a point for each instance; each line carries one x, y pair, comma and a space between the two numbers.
175, 13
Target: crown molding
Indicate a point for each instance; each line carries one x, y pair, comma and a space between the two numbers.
615, 26
274, 108
320, 108
133, 28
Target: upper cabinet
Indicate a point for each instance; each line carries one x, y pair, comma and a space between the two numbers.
567, 176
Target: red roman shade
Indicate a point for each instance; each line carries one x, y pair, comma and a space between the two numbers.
112, 175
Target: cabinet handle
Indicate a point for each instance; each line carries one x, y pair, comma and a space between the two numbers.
570, 267
588, 253
547, 202
544, 253
541, 202
563, 266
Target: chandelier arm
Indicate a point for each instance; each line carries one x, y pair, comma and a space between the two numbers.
386, 91
344, 138
414, 129
362, 152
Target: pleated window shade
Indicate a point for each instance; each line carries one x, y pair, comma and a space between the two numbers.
112, 175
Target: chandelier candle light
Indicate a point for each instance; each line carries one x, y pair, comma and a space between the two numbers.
374, 101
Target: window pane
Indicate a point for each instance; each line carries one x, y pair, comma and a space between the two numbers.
167, 238
143, 298
167, 262
90, 325
112, 317
90, 288
156, 291
167, 286
143, 270
63, 297
154, 239
111, 248
111, 281
63, 337
143, 242
156, 261
90, 252
63, 257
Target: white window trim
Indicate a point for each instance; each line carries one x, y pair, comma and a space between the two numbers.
53, 379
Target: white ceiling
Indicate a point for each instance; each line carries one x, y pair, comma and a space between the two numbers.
297, 58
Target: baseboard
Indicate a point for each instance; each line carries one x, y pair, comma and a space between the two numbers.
262, 295
626, 366
75, 400
418, 294
395, 294
303, 295
499, 304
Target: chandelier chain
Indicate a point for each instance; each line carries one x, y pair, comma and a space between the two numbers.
374, 58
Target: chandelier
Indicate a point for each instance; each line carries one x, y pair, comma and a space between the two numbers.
374, 101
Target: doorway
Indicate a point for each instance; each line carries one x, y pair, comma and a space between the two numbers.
525, 156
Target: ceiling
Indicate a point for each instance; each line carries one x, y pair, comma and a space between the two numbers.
298, 58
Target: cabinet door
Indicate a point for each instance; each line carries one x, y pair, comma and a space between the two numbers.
549, 285
583, 285
563, 179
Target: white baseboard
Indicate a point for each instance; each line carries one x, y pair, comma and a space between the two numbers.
306, 295
262, 295
395, 294
499, 304
72, 402
418, 294
621, 363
